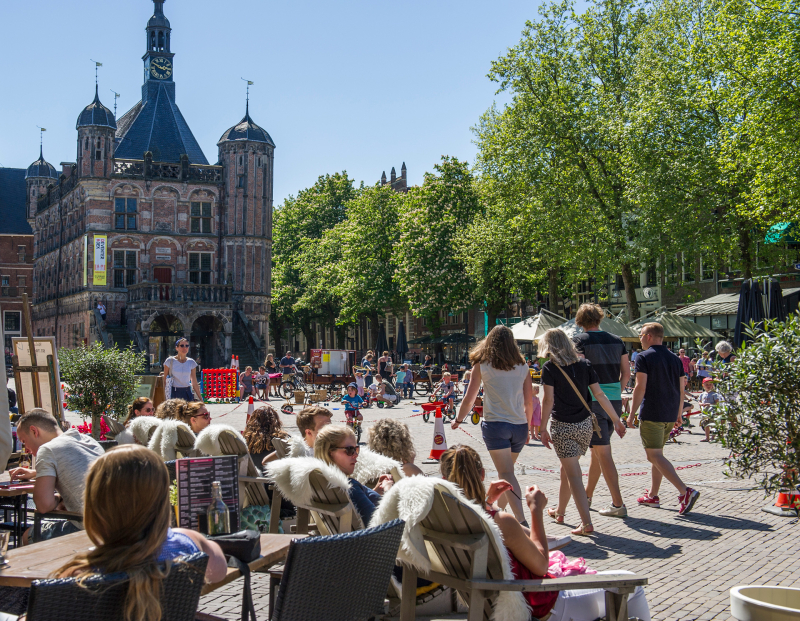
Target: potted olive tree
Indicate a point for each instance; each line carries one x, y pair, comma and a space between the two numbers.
100, 381
759, 419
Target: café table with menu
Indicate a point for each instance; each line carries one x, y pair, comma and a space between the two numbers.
38, 561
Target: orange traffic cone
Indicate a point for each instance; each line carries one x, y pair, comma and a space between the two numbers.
786, 505
439, 441
237, 363
233, 361
250, 406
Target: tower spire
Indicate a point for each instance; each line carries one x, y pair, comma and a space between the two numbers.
247, 102
42, 130
96, 66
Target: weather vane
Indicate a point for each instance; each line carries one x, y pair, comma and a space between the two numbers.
96, 65
249, 84
116, 96
42, 130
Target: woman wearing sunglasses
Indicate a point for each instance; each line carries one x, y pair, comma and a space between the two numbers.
336, 445
196, 415
183, 371
141, 406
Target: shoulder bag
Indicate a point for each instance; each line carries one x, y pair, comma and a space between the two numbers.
595, 424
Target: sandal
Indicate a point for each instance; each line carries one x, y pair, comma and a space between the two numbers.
585, 529
558, 518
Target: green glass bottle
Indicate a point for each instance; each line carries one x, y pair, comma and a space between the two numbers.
217, 514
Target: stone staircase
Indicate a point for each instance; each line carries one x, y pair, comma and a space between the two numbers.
239, 348
120, 336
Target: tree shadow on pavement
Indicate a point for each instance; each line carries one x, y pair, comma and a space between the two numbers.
696, 526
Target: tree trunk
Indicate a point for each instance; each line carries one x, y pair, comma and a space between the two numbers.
306, 328
630, 292
745, 249
373, 332
552, 289
96, 425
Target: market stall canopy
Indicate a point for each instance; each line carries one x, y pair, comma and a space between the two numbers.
458, 337
423, 340
610, 325
675, 326
531, 329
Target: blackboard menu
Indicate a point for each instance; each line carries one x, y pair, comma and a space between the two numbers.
194, 478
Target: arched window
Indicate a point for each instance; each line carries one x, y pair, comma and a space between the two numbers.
153, 40
160, 41
86, 145
98, 154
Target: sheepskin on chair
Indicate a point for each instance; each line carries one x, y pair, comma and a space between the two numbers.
371, 465
208, 440
299, 448
166, 437
139, 430
291, 475
411, 499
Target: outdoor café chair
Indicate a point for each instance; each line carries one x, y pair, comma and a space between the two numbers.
310, 589
172, 439
56, 514
461, 548
114, 427
102, 598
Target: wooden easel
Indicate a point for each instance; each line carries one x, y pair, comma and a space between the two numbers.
34, 369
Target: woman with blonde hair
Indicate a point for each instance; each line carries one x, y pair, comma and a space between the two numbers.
127, 515
141, 406
391, 438
336, 445
507, 406
567, 380
196, 415
528, 548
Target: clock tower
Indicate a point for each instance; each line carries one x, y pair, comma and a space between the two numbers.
158, 58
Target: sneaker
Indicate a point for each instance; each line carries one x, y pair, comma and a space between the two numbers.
613, 511
648, 500
687, 500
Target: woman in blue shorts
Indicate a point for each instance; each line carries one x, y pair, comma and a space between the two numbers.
507, 405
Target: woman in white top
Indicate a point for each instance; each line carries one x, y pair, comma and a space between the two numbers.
183, 371
507, 406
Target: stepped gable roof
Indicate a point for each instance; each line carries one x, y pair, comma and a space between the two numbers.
247, 130
157, 125
41, 168
13, 198
96, 114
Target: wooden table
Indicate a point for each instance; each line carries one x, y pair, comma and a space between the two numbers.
18, 504
39, 560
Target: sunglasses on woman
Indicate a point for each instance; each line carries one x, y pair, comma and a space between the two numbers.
348, 450
150, 409
203, 415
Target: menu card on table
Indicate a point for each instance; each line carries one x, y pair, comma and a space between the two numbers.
194, 478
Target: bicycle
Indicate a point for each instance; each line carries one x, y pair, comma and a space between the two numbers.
288, 386
354, 423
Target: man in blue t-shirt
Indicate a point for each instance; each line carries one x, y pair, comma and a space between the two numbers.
609, 359
659, 390
288, 364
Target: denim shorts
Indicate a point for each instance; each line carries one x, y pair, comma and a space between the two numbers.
182, 393
499, 435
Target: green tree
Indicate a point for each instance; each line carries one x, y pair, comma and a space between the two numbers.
101, 381
365, 269
430, 274
299, 221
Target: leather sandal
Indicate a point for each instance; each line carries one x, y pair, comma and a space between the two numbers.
585, 529
558, 518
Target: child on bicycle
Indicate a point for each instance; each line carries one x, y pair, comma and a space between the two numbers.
352, 403
448, 389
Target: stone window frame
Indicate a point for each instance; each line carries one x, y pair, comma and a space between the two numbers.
126, 270
200, 273
129, 218
203, 221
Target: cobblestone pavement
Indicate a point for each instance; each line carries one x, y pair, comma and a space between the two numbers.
691, 562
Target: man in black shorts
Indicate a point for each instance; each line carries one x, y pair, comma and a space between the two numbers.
609, 359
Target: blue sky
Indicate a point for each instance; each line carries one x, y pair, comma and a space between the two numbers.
349, 85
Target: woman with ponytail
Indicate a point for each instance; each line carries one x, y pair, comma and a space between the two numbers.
527, 548
127, 516
141, 406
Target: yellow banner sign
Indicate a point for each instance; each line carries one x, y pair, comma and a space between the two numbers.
100, 252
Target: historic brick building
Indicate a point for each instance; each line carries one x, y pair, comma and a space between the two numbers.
186, 244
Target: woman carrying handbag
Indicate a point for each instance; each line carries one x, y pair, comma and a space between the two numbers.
567, 381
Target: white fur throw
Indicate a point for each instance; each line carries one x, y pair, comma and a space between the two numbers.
208, 440
411, 499
291, 474
166, 437
299, 448
140, 428
125, 437
371, 465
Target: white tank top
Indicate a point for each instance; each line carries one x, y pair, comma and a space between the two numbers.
502, 394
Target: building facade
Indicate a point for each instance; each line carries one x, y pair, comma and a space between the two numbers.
142, 223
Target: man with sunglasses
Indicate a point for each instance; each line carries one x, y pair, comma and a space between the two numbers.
183, 371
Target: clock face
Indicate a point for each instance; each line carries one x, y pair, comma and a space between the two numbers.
160, 68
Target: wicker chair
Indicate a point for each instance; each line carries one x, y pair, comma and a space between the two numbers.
357, 593
103, 600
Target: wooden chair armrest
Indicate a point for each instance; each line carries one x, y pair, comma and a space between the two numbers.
572, 583
60, 514
263, 480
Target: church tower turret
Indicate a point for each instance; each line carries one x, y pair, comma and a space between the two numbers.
39, 175
247, 153
96, 127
